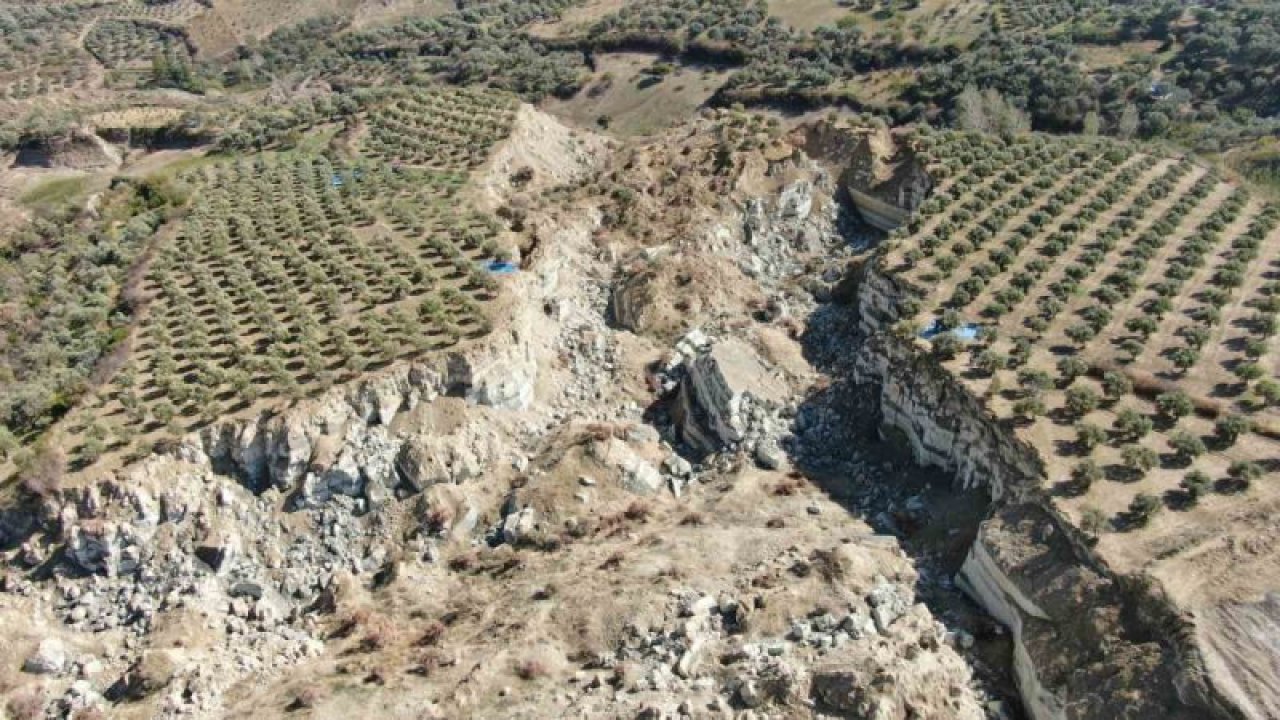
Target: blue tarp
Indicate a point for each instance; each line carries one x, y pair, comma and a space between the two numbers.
337, 180
501, 267
967, 332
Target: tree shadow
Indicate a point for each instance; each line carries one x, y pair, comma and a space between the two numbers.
1121, 474
1178, 500
1231, 486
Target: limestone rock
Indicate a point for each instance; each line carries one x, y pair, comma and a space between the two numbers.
50, 658
769, 456
887, 605
426, 461
220, 549
796, 200
687, 666
505, 385
641, 478
519, 525
105, 548
636, 474
721, 383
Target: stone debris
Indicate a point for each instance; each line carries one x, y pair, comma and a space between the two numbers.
519, 526
253, 533
50, 658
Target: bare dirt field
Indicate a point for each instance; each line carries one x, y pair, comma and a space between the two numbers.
635, 102
808, 14
577, 19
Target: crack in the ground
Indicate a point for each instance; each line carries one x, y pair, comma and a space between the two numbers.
838, 445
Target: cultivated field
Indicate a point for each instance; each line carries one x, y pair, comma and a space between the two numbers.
39, 49
439, 128
131, 43
1118, 308
173, 12
297, 270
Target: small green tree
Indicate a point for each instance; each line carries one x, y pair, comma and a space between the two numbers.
1195, 336
1070, 368
1248, 371
1184, 358
91, 449
1229, 428
1138, 459
1131, 348
1196, 484
1085, 474
1029, 408
1174, 405
1188, 446
1081, 401
989, 362
1268, 391
1089, 436
1144, 507
1080, 334
164, 412
1245, 471
1034, 381
945, 346
1132, 425
1116, 385
1093, 520
1142, 325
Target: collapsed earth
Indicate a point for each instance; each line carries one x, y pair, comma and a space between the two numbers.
672, 359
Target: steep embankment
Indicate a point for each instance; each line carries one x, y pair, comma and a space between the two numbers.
1089, 643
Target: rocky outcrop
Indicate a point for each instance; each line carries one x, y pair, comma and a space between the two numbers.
885, 179
722, 389
1082, 637
77, 149
942, 423
635, 473
49, 658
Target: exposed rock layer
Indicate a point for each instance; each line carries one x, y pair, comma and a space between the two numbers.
1088, 644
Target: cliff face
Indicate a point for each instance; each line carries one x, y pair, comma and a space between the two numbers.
885, 180
1088, 644
944, 425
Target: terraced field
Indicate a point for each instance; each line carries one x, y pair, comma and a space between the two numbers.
126, 43
173, 12
435, 127
33, 83
1119, 308
297, 271
39, 48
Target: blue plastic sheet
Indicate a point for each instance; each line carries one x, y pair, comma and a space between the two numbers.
501, 267
967, 332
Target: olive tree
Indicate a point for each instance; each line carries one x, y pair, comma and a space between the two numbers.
1174, 405
1132, 425
1144, 507
1196, 484
1138, 459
